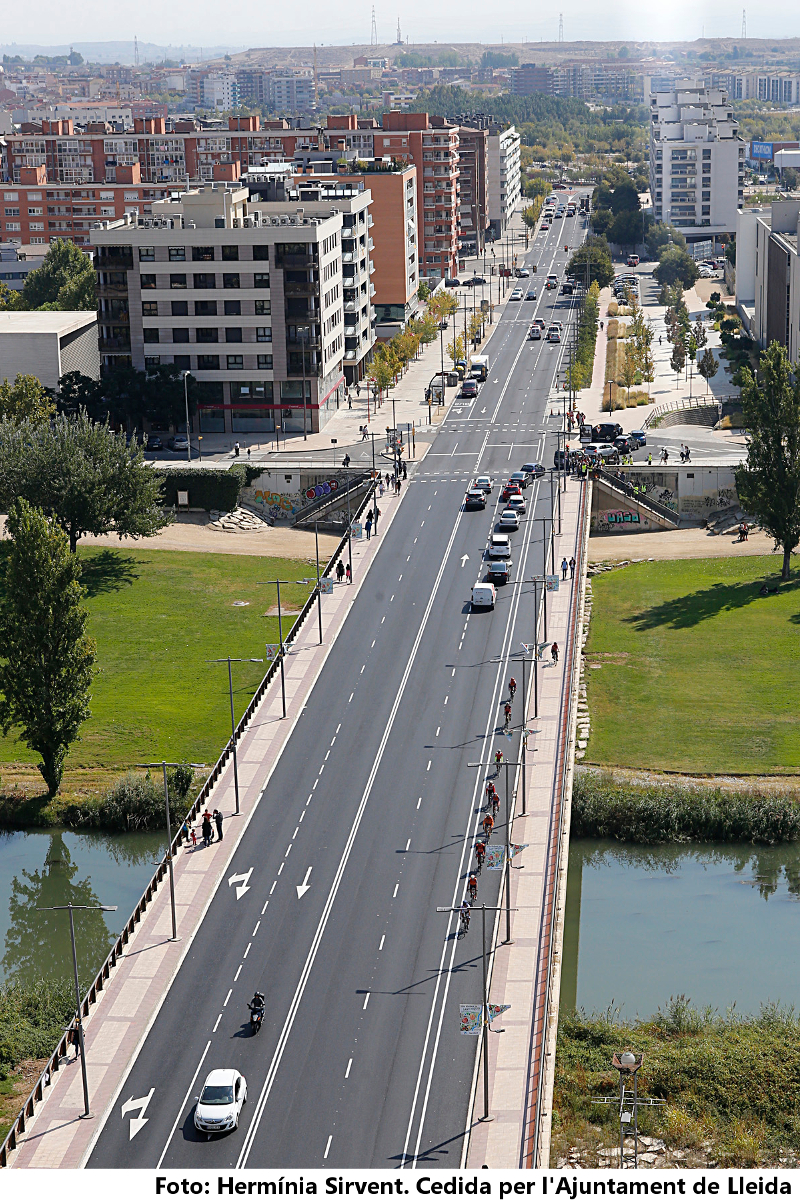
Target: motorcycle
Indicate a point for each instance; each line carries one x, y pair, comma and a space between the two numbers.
256, 1017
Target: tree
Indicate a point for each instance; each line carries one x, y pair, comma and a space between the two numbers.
708, 366
10, 300
46, 657
699, 332
423, 291
455, 349
66, 268
769, 483
626, 228
630, 368
678, 358
25, 400
675, 266
83, 475
659, 235
594, 250
625, 198
81, 391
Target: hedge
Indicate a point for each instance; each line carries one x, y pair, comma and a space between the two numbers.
207, 489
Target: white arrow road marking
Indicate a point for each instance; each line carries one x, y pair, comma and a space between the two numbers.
241, 882
464, 558
483, 410
303, 887
139, 1105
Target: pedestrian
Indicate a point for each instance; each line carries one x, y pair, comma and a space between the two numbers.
572, 567
381, 489
236, 449
650, 458
376, 512
554, 653
248, 451
387, 481
399, 484
405, 470
194, 839
659, 339
358, 390
368, 526
349, 573
564, 568
218, 823
349, 401
340, 570
364, 433
208, 833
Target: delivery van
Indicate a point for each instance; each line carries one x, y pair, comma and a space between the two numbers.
483, 595
479, 368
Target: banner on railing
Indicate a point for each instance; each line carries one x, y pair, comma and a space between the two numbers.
471, 1019
494, 858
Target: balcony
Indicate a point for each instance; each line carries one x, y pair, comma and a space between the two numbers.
301, 289
292, 262
310, 343
114, 343
110, 290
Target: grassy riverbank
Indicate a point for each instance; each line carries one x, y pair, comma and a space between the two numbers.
732, 1084
689, 669
650, 814
32, 1019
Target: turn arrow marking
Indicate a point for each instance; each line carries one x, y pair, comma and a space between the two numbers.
464, 558
241, 882
139, 1105
305, 886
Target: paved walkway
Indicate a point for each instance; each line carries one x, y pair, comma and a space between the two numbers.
519, 973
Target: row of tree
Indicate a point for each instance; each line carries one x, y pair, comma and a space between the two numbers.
687, 339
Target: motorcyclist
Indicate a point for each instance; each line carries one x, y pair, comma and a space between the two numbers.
256, 1006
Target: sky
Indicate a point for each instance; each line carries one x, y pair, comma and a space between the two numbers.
254, 24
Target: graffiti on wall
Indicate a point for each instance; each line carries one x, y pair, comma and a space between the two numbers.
325, 488
621, 520
287, 505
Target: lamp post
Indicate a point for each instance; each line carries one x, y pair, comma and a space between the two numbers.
230, 660
319, 591
164, 765
186, 375
78, 1016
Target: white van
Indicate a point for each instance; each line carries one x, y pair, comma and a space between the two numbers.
483, 595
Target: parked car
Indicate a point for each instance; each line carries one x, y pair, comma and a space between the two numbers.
602, 450
452, 283
179, 442
499, 570
475, 498
154, 442
606, 431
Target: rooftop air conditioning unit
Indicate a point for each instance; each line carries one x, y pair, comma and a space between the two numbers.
235, 222
247, 222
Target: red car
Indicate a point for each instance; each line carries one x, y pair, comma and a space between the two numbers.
511, 489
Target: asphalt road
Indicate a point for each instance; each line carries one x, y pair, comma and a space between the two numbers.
360, 1061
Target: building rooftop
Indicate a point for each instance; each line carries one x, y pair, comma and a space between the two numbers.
45, 322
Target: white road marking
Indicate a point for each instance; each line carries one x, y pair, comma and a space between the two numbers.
383, 939
183, 1105
247, 951
216, 1025
328, 1145
227, 998
396, 889
419, 802
351, 696
255, 931
238, 973
347, 1072
366, 1000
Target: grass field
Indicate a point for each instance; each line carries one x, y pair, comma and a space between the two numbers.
697, 672
156, 616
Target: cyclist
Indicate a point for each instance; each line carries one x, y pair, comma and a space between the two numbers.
512, 687
488, 826
495, 804
464, 915
472, 888
498, 758
490, 790
554, 652
507, 715
480, 853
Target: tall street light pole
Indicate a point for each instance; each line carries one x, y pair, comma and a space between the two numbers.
78, 1016
186, 375
164, 765
230, 660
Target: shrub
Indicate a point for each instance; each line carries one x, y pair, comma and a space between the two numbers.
207, 489
136, 802
613, 308
32, 1019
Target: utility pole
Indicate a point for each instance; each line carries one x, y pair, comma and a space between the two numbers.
230, 660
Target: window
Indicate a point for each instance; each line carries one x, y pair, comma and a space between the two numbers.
264, 333
202, 253
706, 154
147, 254
206, 335
205, 281
182, 361
233, 335
235, 362
150, 335
264, 362
230, 281
180, 308
12, 212
261, 253
233, 308
230, 253
706, 196
260, 389
177, 254
260, 280
177, 281
180, 335
208, 362
263, 308
152, 362
149, 308
706, 210
147, 281
205, 308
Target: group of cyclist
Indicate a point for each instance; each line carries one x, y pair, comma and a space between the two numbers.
487, 824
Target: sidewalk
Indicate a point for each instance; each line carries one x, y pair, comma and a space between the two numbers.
520, 970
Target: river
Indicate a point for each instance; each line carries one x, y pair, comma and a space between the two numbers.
718, 924
43, 868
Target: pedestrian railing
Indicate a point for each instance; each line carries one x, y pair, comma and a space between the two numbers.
643, 499
57, 1058
321, 504
676, 405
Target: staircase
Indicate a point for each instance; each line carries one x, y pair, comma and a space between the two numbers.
646, 506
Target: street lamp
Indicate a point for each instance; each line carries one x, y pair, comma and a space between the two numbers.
230, 660
164, 766
78, 1017
186, 375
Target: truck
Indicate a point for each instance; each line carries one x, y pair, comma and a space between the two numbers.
479, 366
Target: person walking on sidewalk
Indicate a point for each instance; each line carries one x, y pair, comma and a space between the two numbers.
405, 469
340, 570
564, 568
554, 653
376, 512
349, 573
368, 525
380, 489
207, 830
218, 823
572, 567
387, 481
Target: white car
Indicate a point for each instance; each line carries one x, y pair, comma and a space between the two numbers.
219, 1105
534, 333
499, 546
509, 519
484, 482
517, 503
516, 294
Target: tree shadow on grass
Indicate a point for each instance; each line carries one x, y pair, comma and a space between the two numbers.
683, 612
108, 571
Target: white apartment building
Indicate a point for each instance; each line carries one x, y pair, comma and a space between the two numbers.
503, 185
220, 90
248, 296
778, 87
768, 274
696, 160
288, 92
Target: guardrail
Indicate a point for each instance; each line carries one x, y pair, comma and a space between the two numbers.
676, 405
54, 1063
655, 506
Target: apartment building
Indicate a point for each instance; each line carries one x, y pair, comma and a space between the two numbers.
777, 87
250, 298
504, 186
473, 160
768, 274
696, 160
290, 92
220, 91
